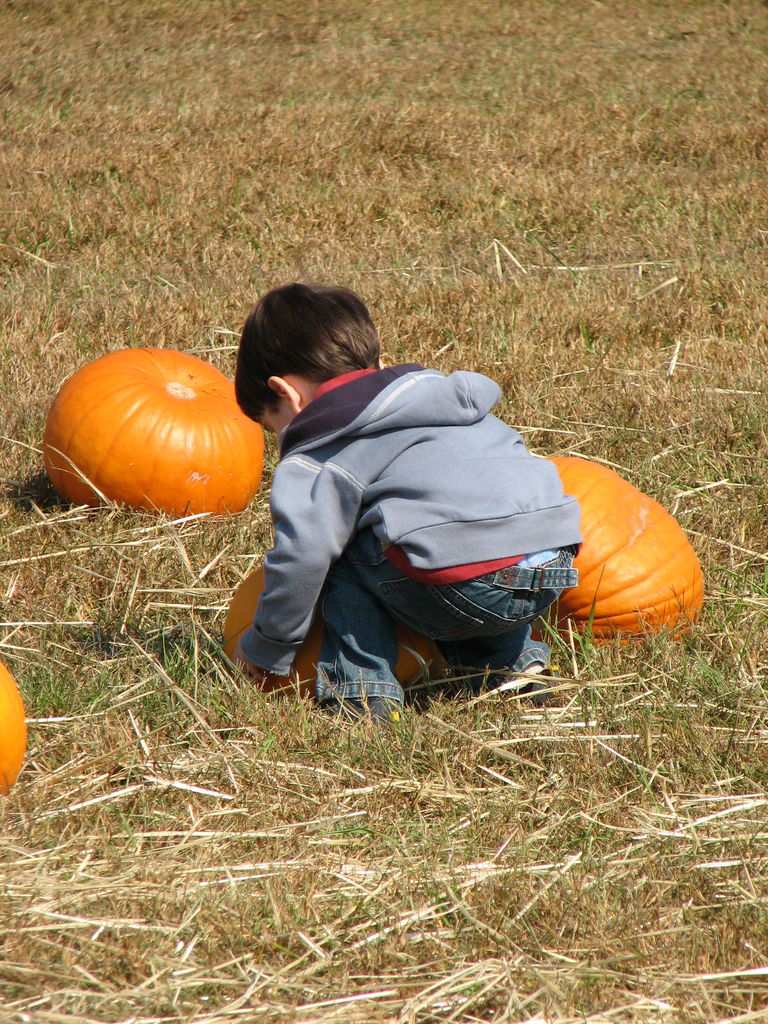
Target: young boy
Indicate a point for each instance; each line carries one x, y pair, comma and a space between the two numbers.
398, 495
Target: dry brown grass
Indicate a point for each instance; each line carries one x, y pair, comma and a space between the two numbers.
569, 197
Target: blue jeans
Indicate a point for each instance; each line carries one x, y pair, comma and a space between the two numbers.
481, 626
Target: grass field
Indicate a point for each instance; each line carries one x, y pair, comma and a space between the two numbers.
570, 197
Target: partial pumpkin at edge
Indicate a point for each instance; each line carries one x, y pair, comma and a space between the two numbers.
13, 730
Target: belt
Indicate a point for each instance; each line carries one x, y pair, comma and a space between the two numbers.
542, 578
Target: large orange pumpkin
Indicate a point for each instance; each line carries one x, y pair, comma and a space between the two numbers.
152, 428
13, 730
638, 571
416, 651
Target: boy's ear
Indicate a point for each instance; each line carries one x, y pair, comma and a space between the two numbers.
279, 385
296, 392
283, 389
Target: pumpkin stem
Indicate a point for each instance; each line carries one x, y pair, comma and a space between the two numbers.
177, 390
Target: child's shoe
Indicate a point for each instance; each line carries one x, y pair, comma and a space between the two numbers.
537, 691
379, 710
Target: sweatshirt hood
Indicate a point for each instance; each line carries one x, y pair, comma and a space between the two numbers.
394, 398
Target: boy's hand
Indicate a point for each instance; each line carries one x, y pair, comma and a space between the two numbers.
253, 672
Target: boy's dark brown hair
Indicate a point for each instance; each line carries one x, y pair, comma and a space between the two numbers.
317, 331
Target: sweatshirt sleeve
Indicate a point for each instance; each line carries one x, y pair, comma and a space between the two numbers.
315, 509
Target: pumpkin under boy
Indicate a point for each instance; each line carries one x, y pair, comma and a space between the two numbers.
398, 495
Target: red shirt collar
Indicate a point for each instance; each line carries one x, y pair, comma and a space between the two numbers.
344, 378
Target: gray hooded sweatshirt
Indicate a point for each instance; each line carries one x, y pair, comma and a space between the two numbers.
419, 458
